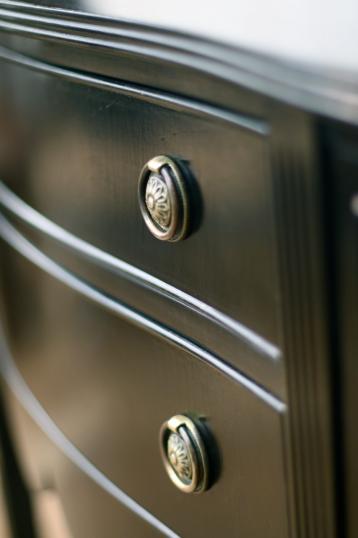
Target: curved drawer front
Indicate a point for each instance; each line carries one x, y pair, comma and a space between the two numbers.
109, 386
181, 313
66, 501
84, 144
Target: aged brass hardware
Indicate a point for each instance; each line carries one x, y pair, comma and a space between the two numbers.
163, 198
184, 453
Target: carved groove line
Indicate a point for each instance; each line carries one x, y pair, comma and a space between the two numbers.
37, 412
34, 219
11, 236
143, 93
301, 86
296, 196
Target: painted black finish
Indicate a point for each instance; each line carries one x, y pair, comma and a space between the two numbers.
84, 103
54, 476
122, 384
27, 249
64, 33
98, 141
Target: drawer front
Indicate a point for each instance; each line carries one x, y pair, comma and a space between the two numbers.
82, 151
110, 386
66, 502
173, 313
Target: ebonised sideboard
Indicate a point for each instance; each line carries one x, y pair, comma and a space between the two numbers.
179, 262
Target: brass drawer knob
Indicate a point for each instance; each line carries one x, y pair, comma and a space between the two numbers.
163, 198
184, 453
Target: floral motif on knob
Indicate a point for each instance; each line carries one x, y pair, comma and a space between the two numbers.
157, 201
179, 457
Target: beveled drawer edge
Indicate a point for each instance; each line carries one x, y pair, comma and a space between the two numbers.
319, 91
32, 406
21, 210
25, 248
143, 93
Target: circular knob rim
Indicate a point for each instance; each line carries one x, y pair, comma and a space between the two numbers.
172, 174
189, 431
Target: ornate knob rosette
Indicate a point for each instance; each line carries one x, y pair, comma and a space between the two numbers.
184, 454
157, 200
163, 198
